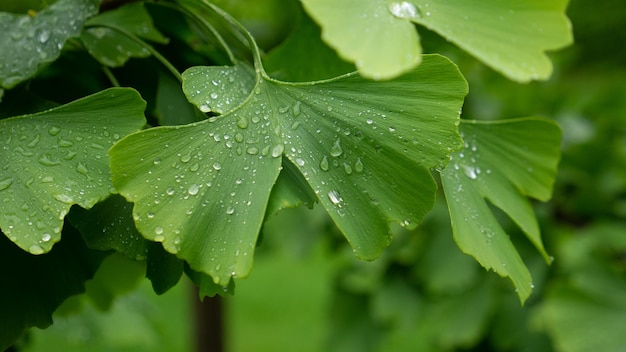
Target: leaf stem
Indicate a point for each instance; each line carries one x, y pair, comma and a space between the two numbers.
107, 71
168, 65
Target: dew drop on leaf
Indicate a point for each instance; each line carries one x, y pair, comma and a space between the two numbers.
277, 150
336, 149
46, 237
403, 9
324, 163
6, 183
358, 166
334, 197
217, 166
230, 210
35, 249
193, 189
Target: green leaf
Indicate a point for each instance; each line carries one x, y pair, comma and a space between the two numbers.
34, 286
365, 32
510, 36
501, 162
57, 158
379, 37
106, 36
364, 147
38, 39
109, 225
164, 269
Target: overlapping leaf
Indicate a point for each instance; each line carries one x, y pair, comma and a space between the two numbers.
107, 36
363, 147
502, 162
510, 36
57, 158
38, 39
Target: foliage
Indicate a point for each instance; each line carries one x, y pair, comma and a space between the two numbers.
246, 131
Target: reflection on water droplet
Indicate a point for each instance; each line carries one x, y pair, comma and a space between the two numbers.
35, 249
230, 210
296, 109
252, 150
159, 231
46, 237
6, 183
347, 168
334, 197
324, 163
205, 108
157, 161
403, 9
193, 189
242, 122
53, 131
336, 149
217, 166
278, 150
64, 198
300, 162
358, 166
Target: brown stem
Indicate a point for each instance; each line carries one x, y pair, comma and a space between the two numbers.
209, 324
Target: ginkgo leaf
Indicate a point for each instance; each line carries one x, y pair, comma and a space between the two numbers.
509, 36
365, 32
365, 148
38, 39
57, 158
503, 162
106, 35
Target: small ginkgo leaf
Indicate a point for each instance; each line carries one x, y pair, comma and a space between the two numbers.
367, 33
365, 149
38, 39
57, 158
509, 36
503, 162
106, 36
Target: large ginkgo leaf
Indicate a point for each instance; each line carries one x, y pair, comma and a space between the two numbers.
57, 158
365, 148
509, 36
503, 162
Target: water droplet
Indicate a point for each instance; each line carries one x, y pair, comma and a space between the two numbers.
296, 109
193, 189
205, 108
358, 166
300, 161
347, 168
403, 9
470, 172
46, 160
185, 158
252, 150
53, 131
278, 150
217, 166
242, 122
170, 191
213, 95
369, 121
6, 183
334, 197
230, 210
194, 167
157, 161
44, 36
35, 249
82, 169
239, 137
159, 231
64, 198
336, 149
150, 215
324, 163
46, 237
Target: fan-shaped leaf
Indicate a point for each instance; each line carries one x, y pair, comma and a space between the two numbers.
57, 158
363, 147
502, 162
